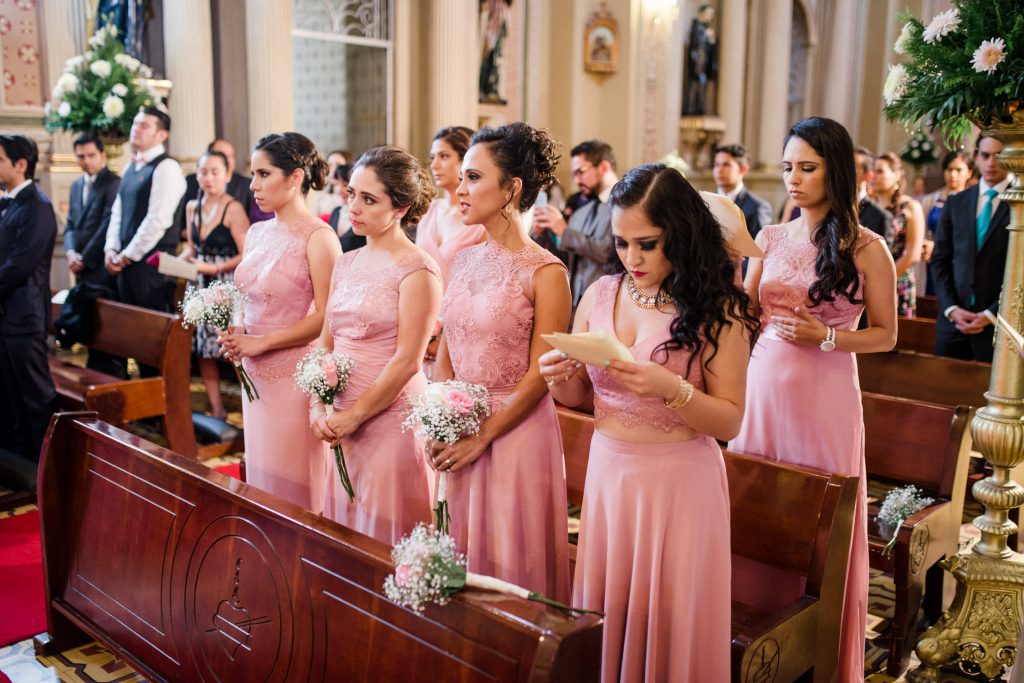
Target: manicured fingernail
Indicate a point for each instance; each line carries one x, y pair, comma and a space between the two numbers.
563, 355
607, 363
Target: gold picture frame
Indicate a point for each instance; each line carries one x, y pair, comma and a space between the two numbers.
601, 43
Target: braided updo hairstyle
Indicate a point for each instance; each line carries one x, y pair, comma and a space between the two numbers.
405, 180
289, 151
524, 152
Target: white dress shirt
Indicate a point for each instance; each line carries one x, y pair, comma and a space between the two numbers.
168, 187
734, 194
984, 187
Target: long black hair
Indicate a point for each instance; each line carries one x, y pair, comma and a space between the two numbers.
836, 236
703, 279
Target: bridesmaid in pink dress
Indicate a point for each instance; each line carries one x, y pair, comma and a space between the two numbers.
506, 492
285, 273
441, 232
654, 534
383, 303
820, 271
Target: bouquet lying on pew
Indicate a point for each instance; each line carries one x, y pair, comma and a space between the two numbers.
218, 305
446, 412
429, 570
324, 375
900, 504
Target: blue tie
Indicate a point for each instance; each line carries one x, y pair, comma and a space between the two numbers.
985, 217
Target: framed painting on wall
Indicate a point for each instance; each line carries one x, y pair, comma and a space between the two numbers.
601, 43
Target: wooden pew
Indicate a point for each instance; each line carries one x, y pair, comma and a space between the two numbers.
924, 377
927, 306
789, 518
915, 334
927, 445
190, 575
152, 338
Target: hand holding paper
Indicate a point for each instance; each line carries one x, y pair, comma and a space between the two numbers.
592, 348
169, 264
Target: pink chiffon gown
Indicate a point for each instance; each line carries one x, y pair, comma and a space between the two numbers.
429, 240
281, 454
804, 408
509, 510
384, 463
654, 532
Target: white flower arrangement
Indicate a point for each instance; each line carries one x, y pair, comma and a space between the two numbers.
899, 505
901, 42
324, 375
218, 305
941, 25
895, 83
989, 55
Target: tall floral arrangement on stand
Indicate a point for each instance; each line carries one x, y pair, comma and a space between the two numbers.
99, 91
964, 66
919, 150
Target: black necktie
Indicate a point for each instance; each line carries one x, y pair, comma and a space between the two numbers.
4, 203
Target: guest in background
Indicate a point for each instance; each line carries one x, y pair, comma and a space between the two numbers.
339, 217
731, 165
656, 485
803, 406
216, 237
506, 491
237, 187
587, 237
28, 229
908, 228
383, 302
969, 258
441, 233
285, 274
956, 169
870, 213
331, 200
142, 216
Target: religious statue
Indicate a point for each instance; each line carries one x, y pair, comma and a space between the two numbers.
494, 16
702, 62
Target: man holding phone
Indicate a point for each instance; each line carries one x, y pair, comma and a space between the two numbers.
587, 236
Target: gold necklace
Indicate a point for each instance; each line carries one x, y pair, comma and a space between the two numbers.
646, 301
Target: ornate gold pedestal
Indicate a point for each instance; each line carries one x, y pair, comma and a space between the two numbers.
978, 636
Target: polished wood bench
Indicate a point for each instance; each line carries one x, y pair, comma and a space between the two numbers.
152, 338
927, 445
788, 518
927, 306
915, 334
190, 575
925, 377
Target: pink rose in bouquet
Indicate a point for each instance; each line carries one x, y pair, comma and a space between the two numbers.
462, 402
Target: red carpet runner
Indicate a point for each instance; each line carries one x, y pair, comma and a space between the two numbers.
21, 579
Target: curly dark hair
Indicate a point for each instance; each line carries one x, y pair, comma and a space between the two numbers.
405, 180
524, 152
289, 151
836, 236
703, 279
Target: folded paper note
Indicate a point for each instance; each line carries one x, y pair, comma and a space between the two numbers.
168, 264
592, 348
1008, 329
734, 225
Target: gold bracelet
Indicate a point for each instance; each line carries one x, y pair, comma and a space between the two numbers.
682, 397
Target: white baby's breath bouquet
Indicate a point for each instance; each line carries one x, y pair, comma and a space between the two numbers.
899, 505
323, 375
429, 570
99, 91
446, 412
218, 305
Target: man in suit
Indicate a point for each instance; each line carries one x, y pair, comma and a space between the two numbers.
731, 164
870, 213
28, 229
140, 221
970, 253
587, 237
92, 200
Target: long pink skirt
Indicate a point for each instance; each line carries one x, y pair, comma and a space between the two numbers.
804, 408
509, 510
654, 556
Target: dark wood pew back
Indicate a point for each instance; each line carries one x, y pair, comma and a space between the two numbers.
924, 377
916, 334
190, 575
927, 306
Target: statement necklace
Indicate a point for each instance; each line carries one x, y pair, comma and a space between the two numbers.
643, 300
208, 216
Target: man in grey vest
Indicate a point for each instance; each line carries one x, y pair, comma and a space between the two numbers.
151, 187
587, 237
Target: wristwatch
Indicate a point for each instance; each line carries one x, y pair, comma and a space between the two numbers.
829, 342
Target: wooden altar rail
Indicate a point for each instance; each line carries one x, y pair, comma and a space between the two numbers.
192, 576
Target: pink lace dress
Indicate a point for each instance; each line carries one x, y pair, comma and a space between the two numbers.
804, 407
509, 509
646, 508
281, 454
384, 462
428, 239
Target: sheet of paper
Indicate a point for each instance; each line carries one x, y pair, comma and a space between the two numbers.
1009, 330
60, 297
592, 348
176, 267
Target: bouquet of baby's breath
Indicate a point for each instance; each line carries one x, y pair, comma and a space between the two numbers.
429, 570
446, 412
899, 505
100, 91
218, 305
323, 375
963, 67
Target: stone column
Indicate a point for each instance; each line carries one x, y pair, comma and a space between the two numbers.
188, 55
268, 48
838, 75
773, 105
454, 63
732, 65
